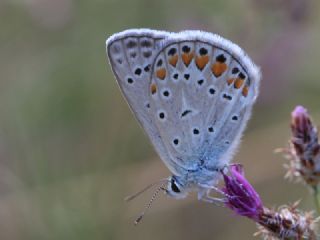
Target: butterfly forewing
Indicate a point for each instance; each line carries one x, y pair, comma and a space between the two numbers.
131, 54
201, 98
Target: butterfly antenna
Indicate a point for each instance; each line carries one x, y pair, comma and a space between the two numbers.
133, 196
162, 187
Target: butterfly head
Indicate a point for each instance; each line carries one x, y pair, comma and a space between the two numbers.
176, 188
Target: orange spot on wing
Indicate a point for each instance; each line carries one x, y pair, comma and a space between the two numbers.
161, 73
153, 88
187, 58
245, 91
238, 83
230, 81
218, 69
202, 61
173, 60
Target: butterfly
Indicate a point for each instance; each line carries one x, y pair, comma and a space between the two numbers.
192, 92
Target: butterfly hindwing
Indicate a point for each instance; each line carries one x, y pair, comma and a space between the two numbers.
202, 90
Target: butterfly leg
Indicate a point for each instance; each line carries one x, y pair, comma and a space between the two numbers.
210, 188
206, 197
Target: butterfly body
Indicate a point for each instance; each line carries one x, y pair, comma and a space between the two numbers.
192, 92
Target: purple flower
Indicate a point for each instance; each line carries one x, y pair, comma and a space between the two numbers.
286, 223
241, 196
301, 125
304, 148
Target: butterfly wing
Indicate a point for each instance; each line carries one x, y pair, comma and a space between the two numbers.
131, 54
202, 91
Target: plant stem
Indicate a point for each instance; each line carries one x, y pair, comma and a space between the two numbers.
317, 198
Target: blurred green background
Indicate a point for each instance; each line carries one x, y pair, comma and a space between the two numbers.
70, 150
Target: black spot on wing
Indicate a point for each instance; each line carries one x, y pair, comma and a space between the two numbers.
227, 97
185, 113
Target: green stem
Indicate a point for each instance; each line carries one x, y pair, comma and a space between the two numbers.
317, 198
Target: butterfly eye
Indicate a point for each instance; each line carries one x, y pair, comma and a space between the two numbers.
235, 118
174, 186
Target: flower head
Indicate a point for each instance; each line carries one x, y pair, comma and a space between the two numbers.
241, 196
286, 223
304, 148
